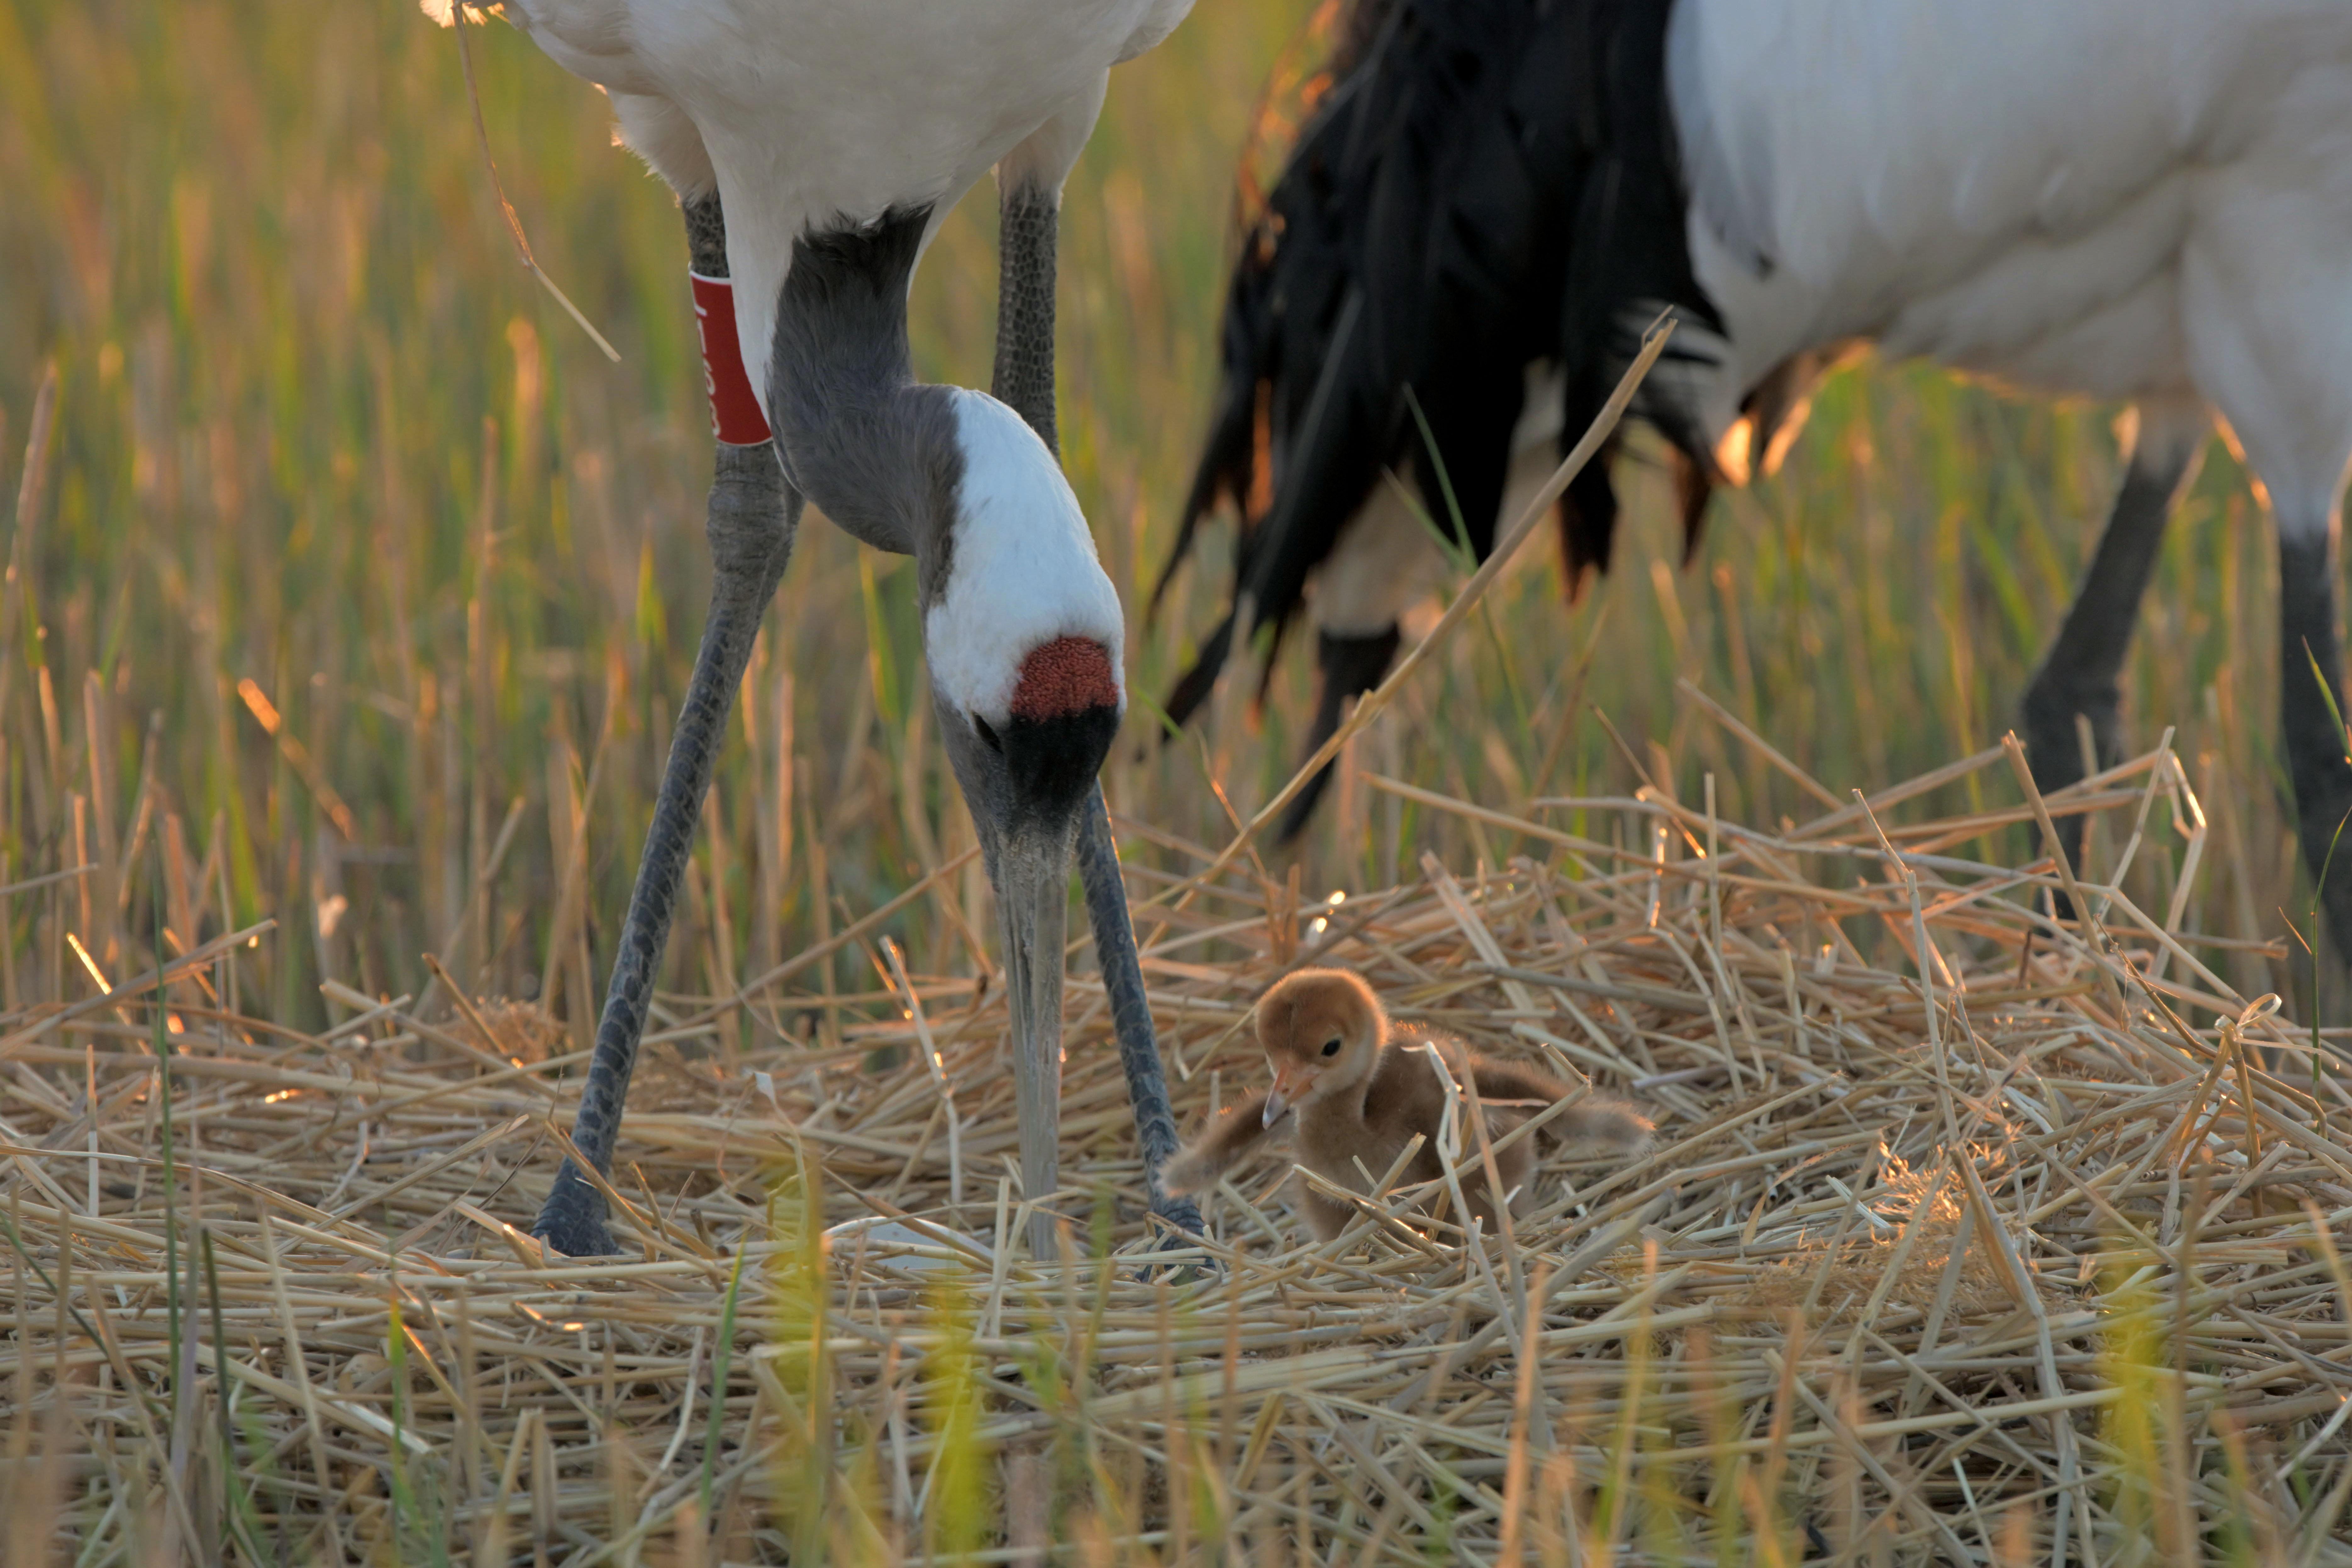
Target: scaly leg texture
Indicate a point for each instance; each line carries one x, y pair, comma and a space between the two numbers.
752, 519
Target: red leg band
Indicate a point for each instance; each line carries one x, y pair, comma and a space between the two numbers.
735, 416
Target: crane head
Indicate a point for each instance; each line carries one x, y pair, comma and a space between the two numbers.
1023, 634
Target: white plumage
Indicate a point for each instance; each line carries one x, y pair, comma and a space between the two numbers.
1025, 571
2116, 198
812, 113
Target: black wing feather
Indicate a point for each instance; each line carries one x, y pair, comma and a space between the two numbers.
1490, 184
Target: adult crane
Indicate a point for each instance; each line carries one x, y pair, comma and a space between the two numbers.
2147, 201
814, 145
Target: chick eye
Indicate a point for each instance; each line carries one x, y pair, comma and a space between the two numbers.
1330, 1048
987, 734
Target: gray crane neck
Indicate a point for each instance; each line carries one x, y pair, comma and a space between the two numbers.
873, 447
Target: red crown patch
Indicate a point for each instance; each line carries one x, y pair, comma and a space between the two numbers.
1068, 674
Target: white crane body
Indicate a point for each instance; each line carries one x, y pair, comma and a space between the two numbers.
2119, 199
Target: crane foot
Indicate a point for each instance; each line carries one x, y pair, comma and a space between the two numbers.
572, 1222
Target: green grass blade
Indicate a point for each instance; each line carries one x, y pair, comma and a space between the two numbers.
721, 1355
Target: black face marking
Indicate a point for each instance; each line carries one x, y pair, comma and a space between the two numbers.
988, 734
1050, 763
1330, 1048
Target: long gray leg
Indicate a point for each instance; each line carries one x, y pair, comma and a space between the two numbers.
751, 522
2080, 675
1028, 216
1028, 223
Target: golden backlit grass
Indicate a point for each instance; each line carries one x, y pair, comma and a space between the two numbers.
350, 591
1994, 1257
324, 452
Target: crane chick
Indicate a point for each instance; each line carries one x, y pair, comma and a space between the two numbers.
1358, 1088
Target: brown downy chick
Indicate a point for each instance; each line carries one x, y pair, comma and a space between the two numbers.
1357, 1090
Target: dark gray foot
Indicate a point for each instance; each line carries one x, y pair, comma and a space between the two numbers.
1152, 1263
1181, 1212
572, 1222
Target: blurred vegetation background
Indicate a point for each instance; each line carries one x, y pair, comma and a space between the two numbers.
361, 586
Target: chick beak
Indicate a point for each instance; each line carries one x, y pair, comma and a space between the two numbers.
1287, 1088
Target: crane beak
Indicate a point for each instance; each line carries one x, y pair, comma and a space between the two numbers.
1027, 779
1033, 882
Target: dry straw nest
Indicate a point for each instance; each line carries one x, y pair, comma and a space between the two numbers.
2024, 1242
